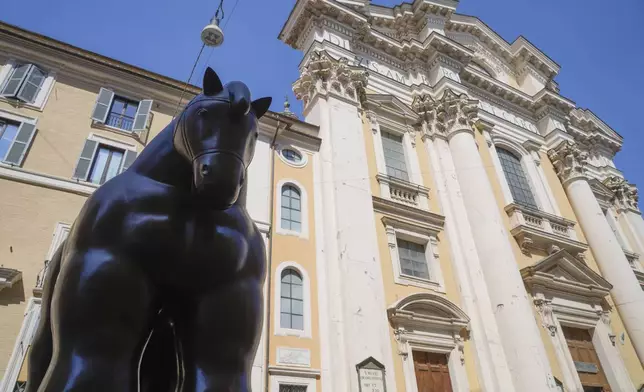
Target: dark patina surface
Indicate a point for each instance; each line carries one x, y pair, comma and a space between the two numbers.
159, 284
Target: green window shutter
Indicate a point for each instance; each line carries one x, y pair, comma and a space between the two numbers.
15, 80
142, 116
21, 144
130, 156
84, 163
31, 87
102, 106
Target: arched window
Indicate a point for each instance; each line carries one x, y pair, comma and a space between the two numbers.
516, 178
291, 300
291, 214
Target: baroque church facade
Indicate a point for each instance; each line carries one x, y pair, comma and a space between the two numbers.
442, 218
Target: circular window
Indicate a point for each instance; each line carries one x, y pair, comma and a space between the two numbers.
292, 156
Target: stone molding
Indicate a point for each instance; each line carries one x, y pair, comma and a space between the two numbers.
569, 161
323, 74
544, 308
443, 117
625, 195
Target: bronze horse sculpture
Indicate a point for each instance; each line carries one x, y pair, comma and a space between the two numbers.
158, 286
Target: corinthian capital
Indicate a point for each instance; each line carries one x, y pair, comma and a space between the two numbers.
625, 195
451, 113
569, 161
323, 74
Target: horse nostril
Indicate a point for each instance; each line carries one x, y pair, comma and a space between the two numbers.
205, 169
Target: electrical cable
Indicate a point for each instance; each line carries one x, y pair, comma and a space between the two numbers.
219, 15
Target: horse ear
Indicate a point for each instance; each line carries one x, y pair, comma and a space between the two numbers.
261, 105
211, 83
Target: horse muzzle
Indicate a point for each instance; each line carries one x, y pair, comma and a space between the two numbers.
218, 177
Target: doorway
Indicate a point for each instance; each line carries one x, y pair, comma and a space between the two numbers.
589, 369
432, 372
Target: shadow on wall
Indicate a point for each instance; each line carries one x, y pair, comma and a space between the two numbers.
13, 295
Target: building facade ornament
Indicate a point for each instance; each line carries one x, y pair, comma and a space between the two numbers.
323, 74
451, 113
460, 346
569, 161
626, 196
400, 342
544, 307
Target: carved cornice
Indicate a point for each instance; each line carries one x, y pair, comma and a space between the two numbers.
519, 53
323, 74
569, 161
592, 133
625, 195
447, 115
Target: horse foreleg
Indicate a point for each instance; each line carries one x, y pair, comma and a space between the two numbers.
42, 346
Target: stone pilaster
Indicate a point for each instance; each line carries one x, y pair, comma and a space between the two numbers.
450, 120
569, 163
333, 93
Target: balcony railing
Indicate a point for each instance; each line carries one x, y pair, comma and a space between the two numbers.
40, 279
403, 192
535, 229
120, 121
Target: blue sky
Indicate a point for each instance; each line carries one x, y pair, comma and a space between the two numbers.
599, 45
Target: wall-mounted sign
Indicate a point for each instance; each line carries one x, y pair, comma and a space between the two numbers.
371, 376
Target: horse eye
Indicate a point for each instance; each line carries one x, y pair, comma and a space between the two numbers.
256, 135
202, 111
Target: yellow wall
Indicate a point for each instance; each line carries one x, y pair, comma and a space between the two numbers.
29, 216
302, 251
395, 292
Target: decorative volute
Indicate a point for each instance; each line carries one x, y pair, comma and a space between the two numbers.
625, 195
451, 113
569, 161
323, 74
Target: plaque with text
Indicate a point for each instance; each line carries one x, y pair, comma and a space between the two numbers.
371, 376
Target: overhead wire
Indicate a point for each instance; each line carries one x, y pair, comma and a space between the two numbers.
232, 12
219, 15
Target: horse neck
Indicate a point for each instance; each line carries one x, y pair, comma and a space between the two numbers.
161, 162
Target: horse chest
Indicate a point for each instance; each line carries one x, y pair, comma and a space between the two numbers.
210, 240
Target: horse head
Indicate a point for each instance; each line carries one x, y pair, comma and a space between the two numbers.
216, 133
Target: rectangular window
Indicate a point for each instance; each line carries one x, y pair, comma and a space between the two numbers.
15, 139
413, 261
8, 132
107, 163
394, 156
122, 113
24, 83
99, 162
292, 388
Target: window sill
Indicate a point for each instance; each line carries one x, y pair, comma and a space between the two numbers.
118, 131
293, 332
406, 280
292, 233
18, 104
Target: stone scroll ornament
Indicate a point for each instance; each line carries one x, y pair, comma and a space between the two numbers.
159, 285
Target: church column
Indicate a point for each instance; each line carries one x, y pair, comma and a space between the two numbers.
628, 214
569, 162
520, 337
357, 324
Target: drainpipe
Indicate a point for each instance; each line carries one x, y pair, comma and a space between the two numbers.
270, 257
